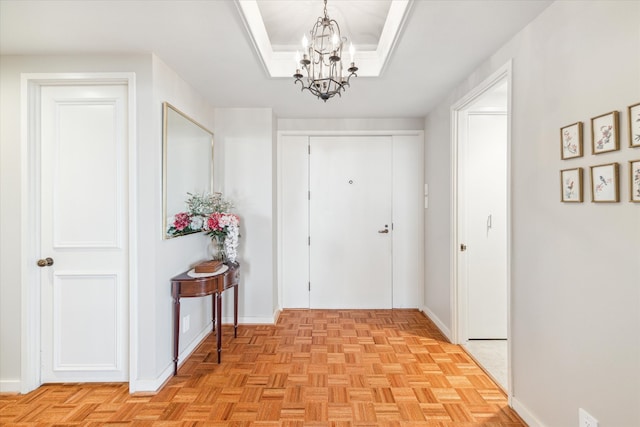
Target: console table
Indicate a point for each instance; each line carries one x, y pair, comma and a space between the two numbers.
185, 286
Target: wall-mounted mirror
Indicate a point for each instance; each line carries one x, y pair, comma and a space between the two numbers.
187, 162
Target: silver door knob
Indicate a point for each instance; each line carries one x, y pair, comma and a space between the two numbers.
45, 262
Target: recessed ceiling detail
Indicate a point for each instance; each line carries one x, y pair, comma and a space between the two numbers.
276, 29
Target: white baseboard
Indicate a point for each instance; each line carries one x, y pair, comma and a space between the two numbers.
10, 386
249, 320
525, 414
151, 386
443, 328
155, 384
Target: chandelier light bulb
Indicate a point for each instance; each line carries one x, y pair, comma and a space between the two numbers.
305, 42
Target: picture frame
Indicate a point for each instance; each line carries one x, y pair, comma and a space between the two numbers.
571, 141
571, 185
634, 125
605, 185
634, 181
605, 136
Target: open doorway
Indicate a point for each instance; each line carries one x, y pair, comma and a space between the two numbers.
481, 224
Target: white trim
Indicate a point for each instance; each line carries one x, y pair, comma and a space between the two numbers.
281, 63
10, 386
439, 323
151, 386
350, 132
133, 230
524, 413
30, 84
503, 73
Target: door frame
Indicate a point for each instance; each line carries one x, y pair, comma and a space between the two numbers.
30, 89
279, 182
457, 289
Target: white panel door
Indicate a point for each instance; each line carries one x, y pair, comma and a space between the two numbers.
350, 222
487, 226
294, 220
408, 221
84, 304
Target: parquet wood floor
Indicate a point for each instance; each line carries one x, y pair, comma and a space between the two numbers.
314, 368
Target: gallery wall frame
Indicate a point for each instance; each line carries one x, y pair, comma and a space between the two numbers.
571, 185
605, 183
634, 124
634, 181
571, 141
605, 135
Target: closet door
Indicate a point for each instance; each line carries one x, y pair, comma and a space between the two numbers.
84, 284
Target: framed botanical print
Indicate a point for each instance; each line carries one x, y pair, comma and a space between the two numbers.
634, 181
604, 133
605, 183
634, 125
571, 141
571, 185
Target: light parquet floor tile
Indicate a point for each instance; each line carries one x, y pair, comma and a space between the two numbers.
313, 368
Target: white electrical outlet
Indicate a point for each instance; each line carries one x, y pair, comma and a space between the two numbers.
585, 419
185, 323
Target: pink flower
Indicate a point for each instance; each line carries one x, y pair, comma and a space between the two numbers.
228, 219
213, 222
181, 221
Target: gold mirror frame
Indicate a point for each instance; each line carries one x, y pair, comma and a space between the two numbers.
187, 162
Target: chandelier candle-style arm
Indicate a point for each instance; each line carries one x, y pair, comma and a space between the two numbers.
322, 60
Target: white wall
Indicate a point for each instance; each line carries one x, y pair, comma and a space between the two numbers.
172, 256
575, 331
346, 124
247, 139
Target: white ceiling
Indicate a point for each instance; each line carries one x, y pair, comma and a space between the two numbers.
207, 44
300, 15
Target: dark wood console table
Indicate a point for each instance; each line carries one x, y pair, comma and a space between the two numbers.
185, 286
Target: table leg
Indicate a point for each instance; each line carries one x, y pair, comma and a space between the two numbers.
235, 311
213, 311
219, 323
176, 332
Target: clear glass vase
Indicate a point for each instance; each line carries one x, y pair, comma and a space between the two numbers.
217, 249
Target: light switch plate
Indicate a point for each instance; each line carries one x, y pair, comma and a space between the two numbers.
585, 419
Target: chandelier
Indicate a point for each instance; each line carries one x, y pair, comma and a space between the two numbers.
322, 60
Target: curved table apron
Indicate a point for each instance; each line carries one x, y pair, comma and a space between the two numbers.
185, 286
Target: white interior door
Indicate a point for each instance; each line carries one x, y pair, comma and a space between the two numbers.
84, 293
350, 222
486, 225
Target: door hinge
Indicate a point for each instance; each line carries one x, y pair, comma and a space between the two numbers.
309, 148
309, 286
309, 240
309, 195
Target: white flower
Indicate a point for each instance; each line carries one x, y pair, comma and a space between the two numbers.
231, 240
197, 222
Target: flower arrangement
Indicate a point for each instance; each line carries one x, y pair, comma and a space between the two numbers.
210, 213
